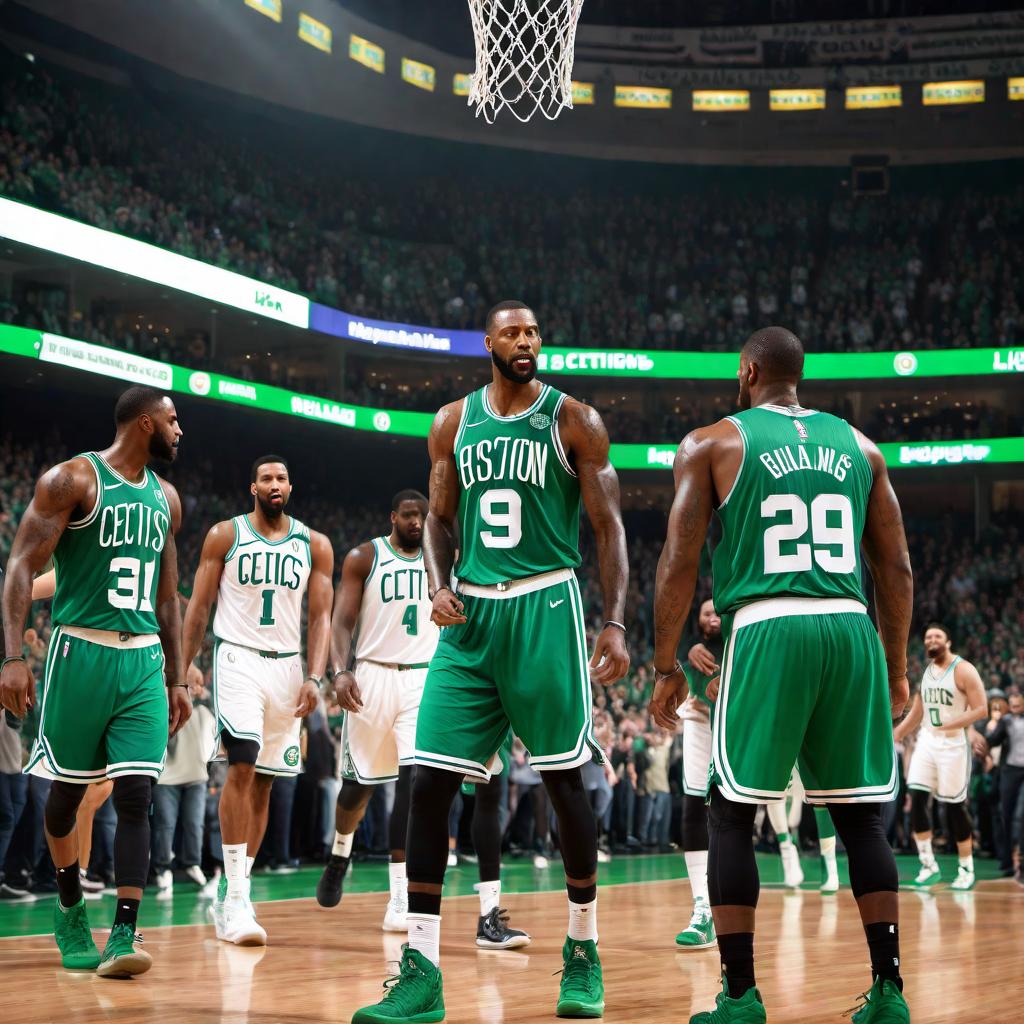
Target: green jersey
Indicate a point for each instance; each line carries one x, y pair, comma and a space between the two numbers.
519, 510
108, 562
792, 523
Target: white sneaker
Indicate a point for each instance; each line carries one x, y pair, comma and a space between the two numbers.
453, 859
964, 880
209, 890
928, 876
792, 873
831, 883
603, 856
236, 923
195, 874
394, 916
165, 885
540, 862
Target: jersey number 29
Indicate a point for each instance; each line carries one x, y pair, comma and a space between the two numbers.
825, 537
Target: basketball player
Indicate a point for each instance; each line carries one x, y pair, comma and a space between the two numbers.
114, 672
789, 852
796, 491
257, 567
950, 699
510, 463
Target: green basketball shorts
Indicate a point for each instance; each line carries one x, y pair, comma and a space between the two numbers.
519, 659
803, 681
104, 710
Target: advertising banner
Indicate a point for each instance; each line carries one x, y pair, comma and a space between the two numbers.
423, 76
582, 94
719, 100
939, 94
639, 96
796, 99
873, 97
382, 332
370, 55
271, 8
314, 32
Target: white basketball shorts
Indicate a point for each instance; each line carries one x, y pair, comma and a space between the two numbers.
376, 740
696, 718
255, 698
940, 768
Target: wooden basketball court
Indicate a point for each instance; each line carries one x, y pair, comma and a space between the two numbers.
962, 954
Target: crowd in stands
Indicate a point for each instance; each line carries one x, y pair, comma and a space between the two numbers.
973, 586
663, 266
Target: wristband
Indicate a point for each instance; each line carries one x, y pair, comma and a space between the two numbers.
174, 686
314, 679
444, 586
7, 661
659, 676
612, 622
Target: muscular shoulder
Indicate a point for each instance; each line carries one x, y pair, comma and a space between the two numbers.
876, 460
66, 485
359, 561
446, 425
321, 549
219, 539
704, 441
582, 430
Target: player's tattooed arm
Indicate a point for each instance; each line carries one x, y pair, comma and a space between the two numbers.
348, 601
678, 567
439, 529
168, 615
204, 588
586, 442
321, 596
885, 548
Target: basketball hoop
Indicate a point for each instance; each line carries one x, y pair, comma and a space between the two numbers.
524, 54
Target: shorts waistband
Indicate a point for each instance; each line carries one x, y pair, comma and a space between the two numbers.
516, 588
112, 638
778, 607
263, 654
394, 666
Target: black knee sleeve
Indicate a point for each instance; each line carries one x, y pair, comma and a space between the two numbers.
486, 830
920, 819
398, 826
958, 821
577, 829
695, 823
131, 798
732, 868
239, 751
871, 860
61, 808
426, 848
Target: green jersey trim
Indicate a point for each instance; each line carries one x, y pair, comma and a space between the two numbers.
556, 439
793, 411
743, 461
463, 416
90, 517
404, 558
949, 668
294, 530
373, 567
519, 415
123, 479
234, 543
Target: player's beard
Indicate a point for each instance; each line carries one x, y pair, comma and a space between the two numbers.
269, 510
505, 369
933, 654
161, 449
408, 543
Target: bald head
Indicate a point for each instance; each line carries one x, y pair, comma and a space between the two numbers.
777, 352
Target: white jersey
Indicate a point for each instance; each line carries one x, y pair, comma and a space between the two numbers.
942, 703
259, 603
394, 625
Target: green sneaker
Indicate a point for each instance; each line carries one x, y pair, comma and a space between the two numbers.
413, 996
700, 932
748, 1009
883, 1003
120, 957
74, 940
581, 993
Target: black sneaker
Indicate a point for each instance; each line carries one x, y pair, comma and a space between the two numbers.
11, 894
493, 932
328, 889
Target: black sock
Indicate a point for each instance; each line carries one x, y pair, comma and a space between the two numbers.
581, 893
884, 944
69, 885
127, 912
737, 952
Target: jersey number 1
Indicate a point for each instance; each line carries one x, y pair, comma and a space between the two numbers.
267, 612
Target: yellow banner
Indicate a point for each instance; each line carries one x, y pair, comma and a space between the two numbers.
873, 97
1015, 88
422, 76
648, 97
314, 32
271, 8
370, 55
460, 85
721, 99
941, 94
796, 99
583, 93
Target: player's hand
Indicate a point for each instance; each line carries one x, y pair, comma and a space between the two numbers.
346, 692
712, 689
669, 692
309, 696
610, 661
447, 609
899, 694
179, 708
978, 743
17, 688
702, 660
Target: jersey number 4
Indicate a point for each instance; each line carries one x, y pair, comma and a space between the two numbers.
832, 545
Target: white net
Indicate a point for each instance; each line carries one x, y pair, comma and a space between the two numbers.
524, 54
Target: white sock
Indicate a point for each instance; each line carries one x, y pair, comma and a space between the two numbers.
780, 823
967, 863
828, 852
425, 936
342, 844
234, 868
490, 895
924, 852
249, 861
398, 882
697, 869
583, 920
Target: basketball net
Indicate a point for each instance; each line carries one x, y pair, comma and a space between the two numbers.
524, 54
